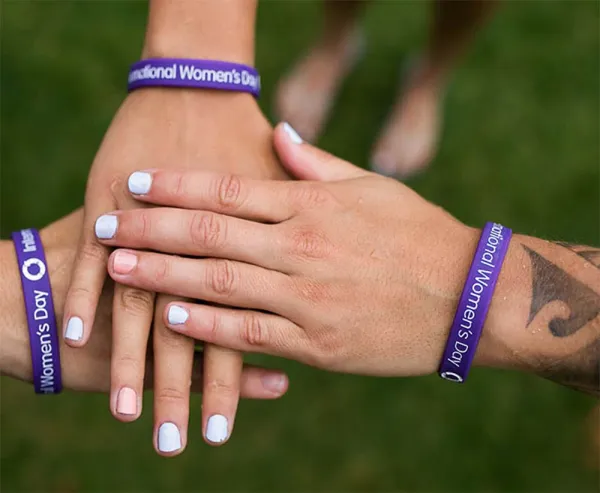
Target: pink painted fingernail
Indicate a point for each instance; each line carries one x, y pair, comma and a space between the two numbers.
274, 382
127, 401
124, 262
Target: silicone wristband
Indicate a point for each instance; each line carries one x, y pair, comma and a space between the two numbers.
200, 74
41, 320
474, 302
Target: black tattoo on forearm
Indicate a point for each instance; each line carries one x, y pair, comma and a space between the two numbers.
551, 283
581, 369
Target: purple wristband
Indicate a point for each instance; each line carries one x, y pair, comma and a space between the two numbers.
41, 321
474, 302
201, 74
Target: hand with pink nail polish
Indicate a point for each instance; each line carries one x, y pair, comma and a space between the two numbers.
163, 129
86, 369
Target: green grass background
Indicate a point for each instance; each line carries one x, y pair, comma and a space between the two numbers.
520, 145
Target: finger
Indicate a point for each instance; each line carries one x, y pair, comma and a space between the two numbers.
215, 280
307, 162
222, 374
173, 359
243, 330
258, 200
194, 233
89, 273
132, 317
255, 382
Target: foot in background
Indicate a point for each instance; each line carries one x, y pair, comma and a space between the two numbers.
305, 97
409, 139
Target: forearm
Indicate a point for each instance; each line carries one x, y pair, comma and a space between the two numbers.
545, 316
217, 29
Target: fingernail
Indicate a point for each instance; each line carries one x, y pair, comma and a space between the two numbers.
292, 134
274, 382
216, 428
106, 227
139, 182
169, 439
383, 164
124, 262
74, 330
127, 401
177, 315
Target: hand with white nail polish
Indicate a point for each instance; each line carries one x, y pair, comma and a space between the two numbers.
166, 129
88, 369
134, 309
349, 272
302, 258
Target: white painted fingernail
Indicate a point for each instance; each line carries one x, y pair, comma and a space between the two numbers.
216, 428
74, 330
169, 439
106, 227
177, 315
293, 135
139, 182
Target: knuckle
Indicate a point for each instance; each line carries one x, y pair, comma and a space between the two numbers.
313, 292
310, 195
178, 189
168, 341
83, 297
329, 349
81, 292
207, 230
228, 191
222, 277
214, 326
93, 252
254, 332
141, 226
136, 301
129, 363
170, 394
117, 187
162, 269
309, 244
221, 387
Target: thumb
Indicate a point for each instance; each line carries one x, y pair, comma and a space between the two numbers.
306, 162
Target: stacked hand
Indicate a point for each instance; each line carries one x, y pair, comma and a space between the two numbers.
311, 270
84, 369
165, 129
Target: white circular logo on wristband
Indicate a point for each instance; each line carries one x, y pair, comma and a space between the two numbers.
450, 375
26, 269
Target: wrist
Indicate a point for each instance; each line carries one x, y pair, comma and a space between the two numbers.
221, 30
499, 343
15, 351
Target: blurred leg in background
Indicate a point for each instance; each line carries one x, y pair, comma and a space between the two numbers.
408, 140
305, 97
